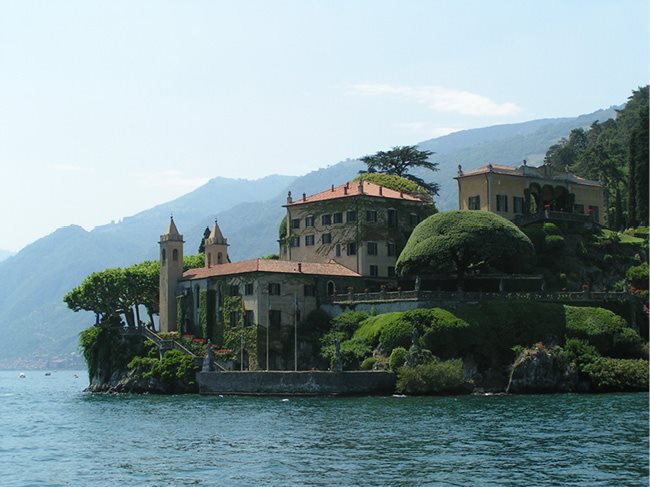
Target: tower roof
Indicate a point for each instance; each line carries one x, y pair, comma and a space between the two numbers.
171, 232
216, 237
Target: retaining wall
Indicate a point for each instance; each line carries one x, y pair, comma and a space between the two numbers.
297, 383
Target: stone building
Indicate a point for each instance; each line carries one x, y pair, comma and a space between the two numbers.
360, 225
515, 193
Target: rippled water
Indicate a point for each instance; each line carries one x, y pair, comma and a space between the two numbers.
53, 434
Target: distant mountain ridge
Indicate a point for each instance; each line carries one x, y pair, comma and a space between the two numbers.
36, 324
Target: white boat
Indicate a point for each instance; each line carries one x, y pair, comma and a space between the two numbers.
22, 375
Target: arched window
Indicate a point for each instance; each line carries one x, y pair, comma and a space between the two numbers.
331, 288
219, 258
163, 256
209, 259
175, 255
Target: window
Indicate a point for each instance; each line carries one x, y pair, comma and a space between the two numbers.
327, 238
474, 202
326, 219
518, 204
274, 288
338, 250
295, 223
352, 248
391, 271
175, 255
338, 217
294, 242
309, 221
234, 318
248, 289
594, 212
310, 290
374, 271
309, 240
219, 258
371, 216
164, 256
391, 250
579, 209
234, 290
502, 203
275, 317
414, 219
372, 248
392, 218
351, 216
249, 318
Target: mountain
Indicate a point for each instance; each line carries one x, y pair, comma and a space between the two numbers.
5, 254
36, 325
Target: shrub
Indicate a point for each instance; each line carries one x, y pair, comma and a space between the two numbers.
397, 358
368, 363
638, 275
609, 374
396, 333
353, 352
447, 336
370, 328
580, 352
394, 182
550, 228
176, 370
553, 242
433, 378
348, 322
604, 330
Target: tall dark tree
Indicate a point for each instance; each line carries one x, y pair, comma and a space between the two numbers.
206, 234
639, 162
400, 161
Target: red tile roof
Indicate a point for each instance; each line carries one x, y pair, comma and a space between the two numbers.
351, 189
331, 268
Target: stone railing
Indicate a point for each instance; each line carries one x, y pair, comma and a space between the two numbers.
552, 215
480, 296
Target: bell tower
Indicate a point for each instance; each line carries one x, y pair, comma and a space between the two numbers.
216, 247
171, 270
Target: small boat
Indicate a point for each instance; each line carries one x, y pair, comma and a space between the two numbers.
47, 374
22, 375
76, 376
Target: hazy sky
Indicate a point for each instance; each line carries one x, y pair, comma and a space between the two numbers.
108, 108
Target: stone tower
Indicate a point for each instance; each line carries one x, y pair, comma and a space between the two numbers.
171, 270
216, 247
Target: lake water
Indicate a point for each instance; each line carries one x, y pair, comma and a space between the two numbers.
51, 433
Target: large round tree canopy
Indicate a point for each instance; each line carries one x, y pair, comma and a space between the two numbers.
460, 241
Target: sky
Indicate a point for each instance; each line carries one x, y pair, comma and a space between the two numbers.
109, 108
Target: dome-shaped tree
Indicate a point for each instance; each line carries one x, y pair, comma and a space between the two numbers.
460, 241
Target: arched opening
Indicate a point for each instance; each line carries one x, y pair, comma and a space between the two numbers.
209, 259
175, 255
331, 288
219, 258
163, 256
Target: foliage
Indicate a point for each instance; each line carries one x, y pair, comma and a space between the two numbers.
353, 352
395, 333
282, 229
551, 228
106, 351
603, 329
206, 235
370, 328
615, 152
580, 352
554, 242
447, 336
193, 261
638, 275
176, 370
399, 161
397, 183
368, 363
464, 241
348, 322
610, 374
397, 357
432, 378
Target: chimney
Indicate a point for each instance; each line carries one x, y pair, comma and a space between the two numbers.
345, 189
360, 187
332, 188
289, 200
401, 194
299, 266
460, 170
381, 191
304, 196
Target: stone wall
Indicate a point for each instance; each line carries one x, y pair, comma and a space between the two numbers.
297, 383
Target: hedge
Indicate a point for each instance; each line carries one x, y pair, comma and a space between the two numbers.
610, 374
433, 378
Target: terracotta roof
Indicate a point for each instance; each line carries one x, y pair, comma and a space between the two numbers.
351, 189
530, 171
331, 268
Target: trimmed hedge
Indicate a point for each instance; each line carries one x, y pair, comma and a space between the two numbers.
610, 374
370, 328
395, 333
433, 378
397, 358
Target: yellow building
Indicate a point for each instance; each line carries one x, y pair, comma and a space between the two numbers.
524, 193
